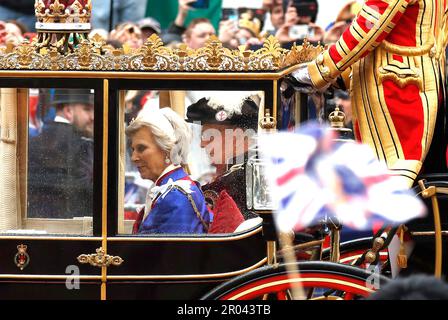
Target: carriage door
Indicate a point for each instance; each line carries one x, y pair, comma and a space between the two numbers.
50, 184
167, 265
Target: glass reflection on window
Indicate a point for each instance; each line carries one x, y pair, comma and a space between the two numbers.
60, 160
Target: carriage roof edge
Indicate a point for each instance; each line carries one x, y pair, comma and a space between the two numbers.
153, 60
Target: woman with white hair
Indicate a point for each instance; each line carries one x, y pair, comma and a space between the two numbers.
160, 141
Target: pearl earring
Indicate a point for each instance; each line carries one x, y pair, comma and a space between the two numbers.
167, 160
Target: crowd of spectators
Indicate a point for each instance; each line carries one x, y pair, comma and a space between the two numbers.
126, 26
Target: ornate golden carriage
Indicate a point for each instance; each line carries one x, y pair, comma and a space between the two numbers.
40, 252
93, 255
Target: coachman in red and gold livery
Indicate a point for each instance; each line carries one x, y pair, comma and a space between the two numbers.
395, 53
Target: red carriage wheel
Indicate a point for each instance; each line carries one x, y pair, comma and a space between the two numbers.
318, 277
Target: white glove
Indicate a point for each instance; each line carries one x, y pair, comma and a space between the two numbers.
300, 80
302, 75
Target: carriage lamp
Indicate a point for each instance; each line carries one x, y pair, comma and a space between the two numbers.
257, 189
258, 194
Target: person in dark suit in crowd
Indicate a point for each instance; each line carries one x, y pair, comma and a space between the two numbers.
228, 129
60, 183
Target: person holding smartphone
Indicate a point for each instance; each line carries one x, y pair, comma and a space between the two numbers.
343, 21
274, 15
300, 18
244, 31
178, 32
277, 14
128, 34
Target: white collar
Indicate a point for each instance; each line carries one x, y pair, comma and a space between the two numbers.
154, 190
170, 168
60, 119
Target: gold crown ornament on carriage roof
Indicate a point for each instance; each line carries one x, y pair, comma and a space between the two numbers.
62, 24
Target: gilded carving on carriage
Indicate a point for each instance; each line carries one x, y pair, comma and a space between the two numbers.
100, 259
95, 55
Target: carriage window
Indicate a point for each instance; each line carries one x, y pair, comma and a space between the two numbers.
165, 192
49, 186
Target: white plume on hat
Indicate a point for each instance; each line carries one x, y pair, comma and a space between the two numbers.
231, 101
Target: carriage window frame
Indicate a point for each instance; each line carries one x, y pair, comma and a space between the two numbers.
23, 85
117, 88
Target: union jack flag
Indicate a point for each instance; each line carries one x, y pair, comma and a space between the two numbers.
313, 177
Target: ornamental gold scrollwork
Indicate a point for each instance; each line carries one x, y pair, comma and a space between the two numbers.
152, 56
21, 57
99, 44
95, 55
25, 54
152, 51
269, 56
54, 61
182, 59
84, 54
301, 54
100, 259
213, 52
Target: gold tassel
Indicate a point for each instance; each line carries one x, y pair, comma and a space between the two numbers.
402, 258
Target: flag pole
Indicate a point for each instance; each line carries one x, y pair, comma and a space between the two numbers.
292, 267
